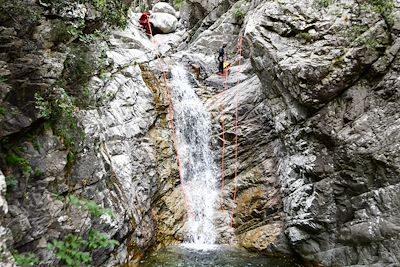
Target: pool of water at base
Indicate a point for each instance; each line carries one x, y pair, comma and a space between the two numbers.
212, 256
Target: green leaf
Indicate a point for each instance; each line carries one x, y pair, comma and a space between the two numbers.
26, 259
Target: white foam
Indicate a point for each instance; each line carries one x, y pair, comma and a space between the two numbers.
193, 131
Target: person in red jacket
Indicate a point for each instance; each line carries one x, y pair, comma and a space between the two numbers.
144, 20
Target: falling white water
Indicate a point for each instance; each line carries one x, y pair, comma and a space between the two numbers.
193, 134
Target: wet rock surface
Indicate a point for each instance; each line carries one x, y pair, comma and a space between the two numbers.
315, 171
328, 100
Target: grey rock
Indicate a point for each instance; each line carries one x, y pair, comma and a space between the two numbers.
317, 159
162, 7
164, 22
6, 238
3, 188
326, 113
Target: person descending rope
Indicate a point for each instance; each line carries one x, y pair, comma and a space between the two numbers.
221, 59
144, 20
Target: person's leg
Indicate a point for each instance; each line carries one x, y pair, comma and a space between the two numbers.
221, 67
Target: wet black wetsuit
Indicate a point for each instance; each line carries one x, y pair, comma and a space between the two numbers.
221, 55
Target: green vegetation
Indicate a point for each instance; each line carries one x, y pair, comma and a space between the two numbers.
18, 11
238, 14
143, 7
78, 69
90, 38
14, 159
26, 259
76, 250
59, 109
383, 7
11, 182
66, 31
304, 36
88, 205
70, 250
42, 106
323, 3
112, 11
354, 35
3, 111
178, 4
71, 90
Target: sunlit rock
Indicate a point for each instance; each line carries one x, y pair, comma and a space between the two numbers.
164, 22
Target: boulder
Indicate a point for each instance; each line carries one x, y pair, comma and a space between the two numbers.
162, 7
164, 22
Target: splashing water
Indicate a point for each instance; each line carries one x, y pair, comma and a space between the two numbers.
193, 134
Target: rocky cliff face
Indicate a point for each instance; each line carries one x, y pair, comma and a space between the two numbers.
75, 117
333, 97
316, 96
317, 126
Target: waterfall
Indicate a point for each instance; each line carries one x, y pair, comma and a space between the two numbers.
193, 135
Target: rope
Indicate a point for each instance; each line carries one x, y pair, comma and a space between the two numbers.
171, 122
222, 156
239, 51
222, 121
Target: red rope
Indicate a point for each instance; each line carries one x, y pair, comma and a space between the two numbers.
172, 124
239, 51
222, 156
222, 121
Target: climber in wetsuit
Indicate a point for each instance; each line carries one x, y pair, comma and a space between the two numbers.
144, 20
221, 58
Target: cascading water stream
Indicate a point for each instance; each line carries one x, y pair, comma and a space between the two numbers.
192, 124
193, 135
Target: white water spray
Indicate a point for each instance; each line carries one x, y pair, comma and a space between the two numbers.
193, 134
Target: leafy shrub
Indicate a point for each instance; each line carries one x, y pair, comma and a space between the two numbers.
112, 11
238, 14
59, 108
89, 205
99, 240
11, 182
26, 259
78, 69
69, 250
14, 159
42, 106
75, 250
65, 31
